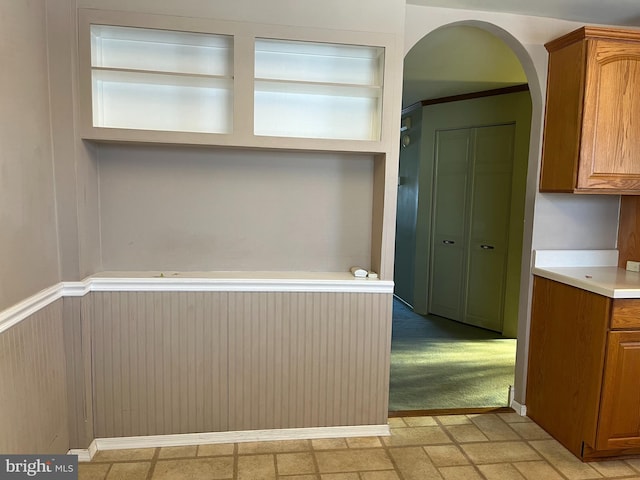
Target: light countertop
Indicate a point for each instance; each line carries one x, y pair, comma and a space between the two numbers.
611, 282
592, 270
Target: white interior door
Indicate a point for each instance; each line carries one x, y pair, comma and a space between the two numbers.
471, 206
489, 226
449, 223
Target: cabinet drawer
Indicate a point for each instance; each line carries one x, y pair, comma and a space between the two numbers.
625, 313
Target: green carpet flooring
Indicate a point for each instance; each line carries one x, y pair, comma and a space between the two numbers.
438, 363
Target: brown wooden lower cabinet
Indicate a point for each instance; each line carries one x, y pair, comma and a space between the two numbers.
583, 382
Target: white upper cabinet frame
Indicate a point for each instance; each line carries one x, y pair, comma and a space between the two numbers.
163, 79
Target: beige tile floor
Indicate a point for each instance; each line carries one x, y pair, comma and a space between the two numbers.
501, 446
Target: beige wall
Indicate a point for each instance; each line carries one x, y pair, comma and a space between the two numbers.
75, 164
28, 236
221, 209
48, 183
376, 16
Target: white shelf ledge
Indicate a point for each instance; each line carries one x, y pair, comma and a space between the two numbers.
337, 282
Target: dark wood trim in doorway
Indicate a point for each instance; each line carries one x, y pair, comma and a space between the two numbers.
468, 96
449, 411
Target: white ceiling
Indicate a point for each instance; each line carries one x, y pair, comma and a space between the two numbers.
613, 12
457, 60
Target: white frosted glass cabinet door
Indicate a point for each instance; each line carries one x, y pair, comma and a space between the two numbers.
201, 81
150, 79
317, 90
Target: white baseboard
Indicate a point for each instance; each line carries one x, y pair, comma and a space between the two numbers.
84, 454
519, 408
177, 440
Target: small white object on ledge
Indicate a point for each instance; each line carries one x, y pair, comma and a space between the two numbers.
359, 272
372, 275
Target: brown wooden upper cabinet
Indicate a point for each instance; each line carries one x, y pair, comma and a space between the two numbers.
592, 123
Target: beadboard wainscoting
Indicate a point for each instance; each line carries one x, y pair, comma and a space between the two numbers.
77, 338
159, 363
186, 362
33, 392
124, 357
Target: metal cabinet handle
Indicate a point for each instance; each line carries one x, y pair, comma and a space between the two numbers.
487, 247
448, 242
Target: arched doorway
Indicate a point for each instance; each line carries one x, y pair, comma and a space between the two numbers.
461, 82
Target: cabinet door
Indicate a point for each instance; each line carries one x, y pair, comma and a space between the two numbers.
619, 425
563, 118
610, 144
